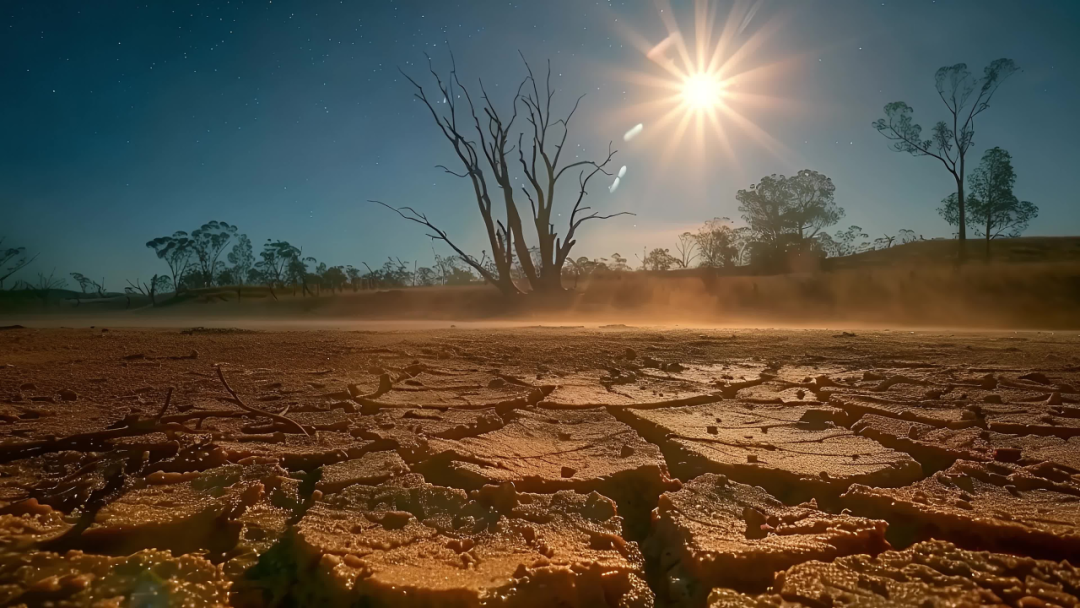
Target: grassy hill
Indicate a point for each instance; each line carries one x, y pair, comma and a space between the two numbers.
1012, 251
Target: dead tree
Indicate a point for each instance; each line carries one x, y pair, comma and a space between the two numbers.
150, 290
45, 285
543, 172
487, 160
12, 260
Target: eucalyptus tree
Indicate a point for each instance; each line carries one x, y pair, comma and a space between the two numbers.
797, 207
965, 97
208, 242
242, 259
275, 258
994, 211
176, 251
150, 289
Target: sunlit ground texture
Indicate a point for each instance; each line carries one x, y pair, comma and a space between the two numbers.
542, 466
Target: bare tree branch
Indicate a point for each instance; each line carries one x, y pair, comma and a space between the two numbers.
275, 417
415, 216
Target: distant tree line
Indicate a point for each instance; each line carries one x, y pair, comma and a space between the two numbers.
195, 261
786, 220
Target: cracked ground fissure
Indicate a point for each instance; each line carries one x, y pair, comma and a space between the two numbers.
554, 469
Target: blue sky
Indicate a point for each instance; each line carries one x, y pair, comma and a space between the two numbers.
122, 121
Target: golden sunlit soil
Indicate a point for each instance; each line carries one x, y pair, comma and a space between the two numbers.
541, 466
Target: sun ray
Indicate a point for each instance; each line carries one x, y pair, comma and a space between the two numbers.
759, 135
726, 37
723, 139
710, 86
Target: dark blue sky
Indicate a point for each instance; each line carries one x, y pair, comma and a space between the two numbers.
121, 122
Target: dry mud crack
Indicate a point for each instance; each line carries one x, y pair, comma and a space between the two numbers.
538, 467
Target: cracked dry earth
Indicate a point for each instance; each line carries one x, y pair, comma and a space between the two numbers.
538, 467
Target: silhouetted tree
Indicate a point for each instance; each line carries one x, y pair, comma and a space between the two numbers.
687, 249
335, 278
396, 273
994, 211
275, 258
581, 267
965, 97
460, 274
44, 286
12, 260
785, 215
226, 276
150, 289
659, 259
616, 263
354, 277
242, 259
812, 205
207, 242
193, 278
906, 236
82, 280
313, 274
296, 272
851, 241
717, 244
88, 285
827, 245
884, 242
487, 156
800, 205
444, 266
425, 277
176, 251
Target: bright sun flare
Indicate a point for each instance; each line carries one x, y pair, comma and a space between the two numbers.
703, 91
713, 82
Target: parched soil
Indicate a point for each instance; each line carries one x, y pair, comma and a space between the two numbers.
538, 466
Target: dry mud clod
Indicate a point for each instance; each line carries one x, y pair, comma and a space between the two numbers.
718, 533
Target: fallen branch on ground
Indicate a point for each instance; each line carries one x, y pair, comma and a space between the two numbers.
275, 417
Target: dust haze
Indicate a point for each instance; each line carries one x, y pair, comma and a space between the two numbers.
999, 295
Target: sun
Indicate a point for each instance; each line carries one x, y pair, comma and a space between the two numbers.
713, 83
703, 91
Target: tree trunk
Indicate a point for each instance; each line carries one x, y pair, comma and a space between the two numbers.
961, 215
550, 281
